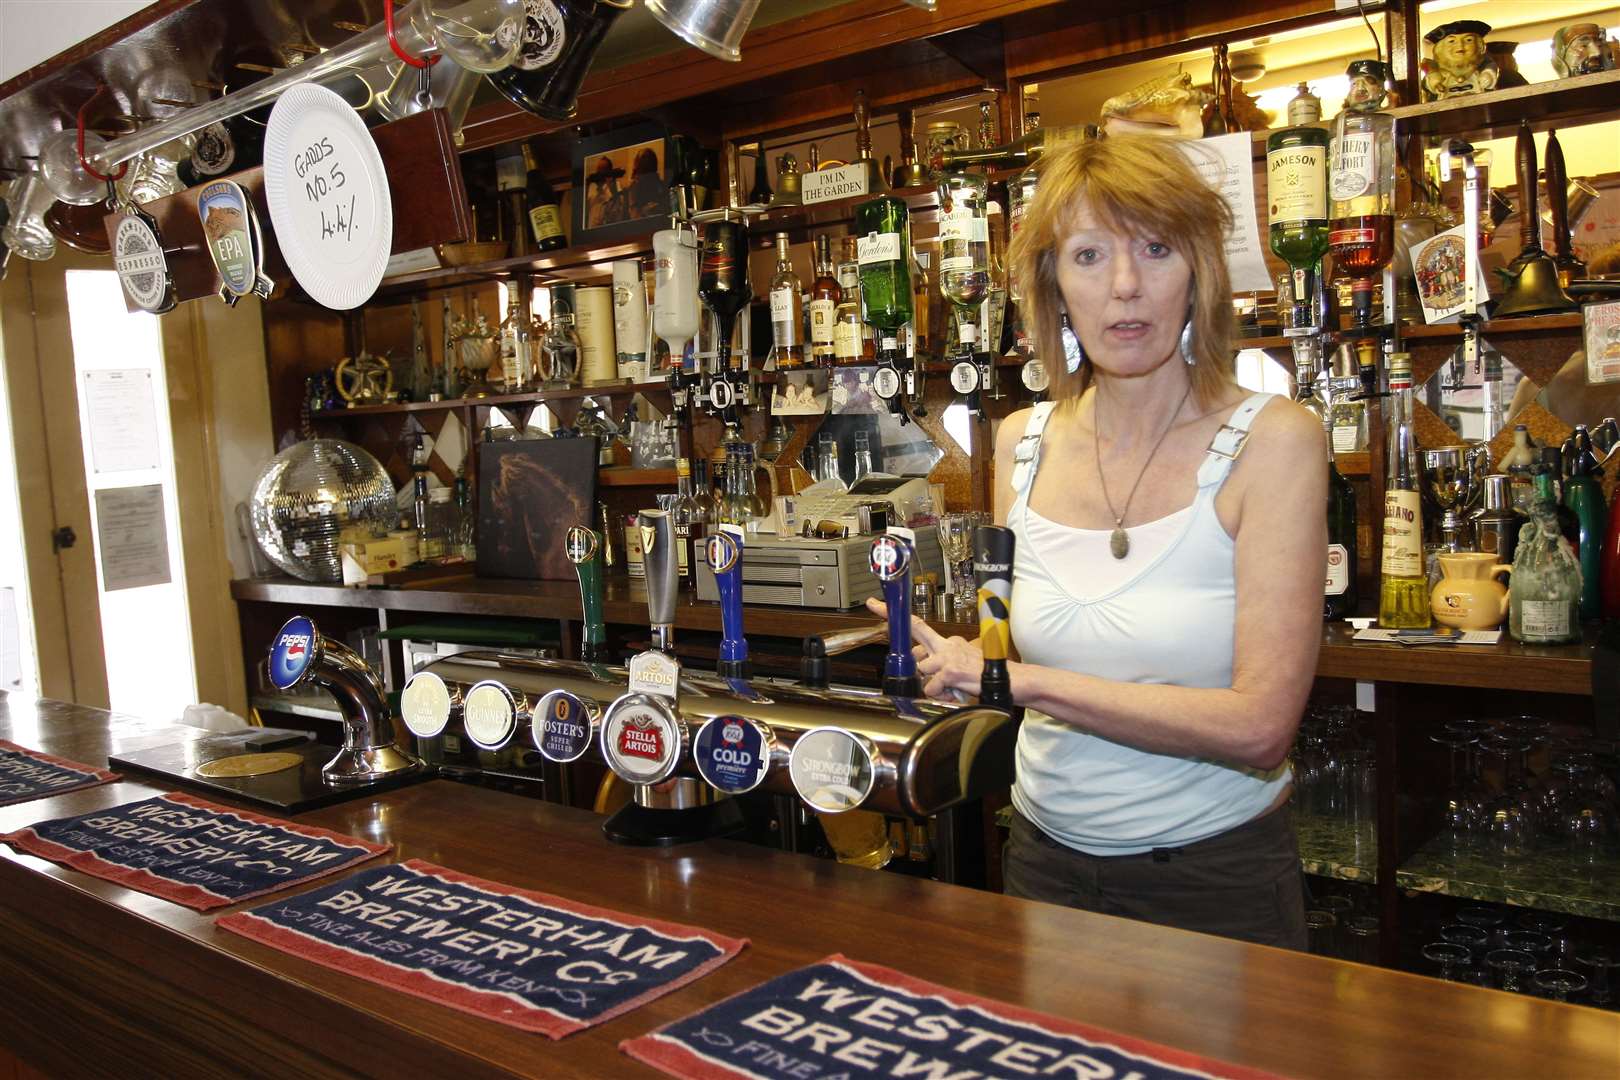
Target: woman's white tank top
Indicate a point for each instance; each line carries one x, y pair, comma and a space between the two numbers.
1164, 615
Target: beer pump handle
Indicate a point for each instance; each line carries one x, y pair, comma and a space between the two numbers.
724, 551
658, 555
992, 571
584, 547
891, 562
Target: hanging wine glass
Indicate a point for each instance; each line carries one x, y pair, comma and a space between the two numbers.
62, 171
479, 35
26, 232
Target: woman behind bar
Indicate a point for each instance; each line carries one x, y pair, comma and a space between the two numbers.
1167, 588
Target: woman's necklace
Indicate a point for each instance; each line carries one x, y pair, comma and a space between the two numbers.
1118, 542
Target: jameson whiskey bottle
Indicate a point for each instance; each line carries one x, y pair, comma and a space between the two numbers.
545, 215
825, 295
787, 310
1403, 594
1296, 189
883, 252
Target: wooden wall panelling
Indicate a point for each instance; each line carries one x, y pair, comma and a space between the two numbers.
1057, 41
768, 53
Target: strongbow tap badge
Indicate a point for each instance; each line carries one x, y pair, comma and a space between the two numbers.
839, 1019
528, 959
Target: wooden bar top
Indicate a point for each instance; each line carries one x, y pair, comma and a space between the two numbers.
101, 980
1508, 665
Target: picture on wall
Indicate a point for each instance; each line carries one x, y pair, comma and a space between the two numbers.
619, 182
530, 492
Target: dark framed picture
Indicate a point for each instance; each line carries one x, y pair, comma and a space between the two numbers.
619, 187
529, 493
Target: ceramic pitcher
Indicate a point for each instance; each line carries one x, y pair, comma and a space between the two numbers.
1469, 596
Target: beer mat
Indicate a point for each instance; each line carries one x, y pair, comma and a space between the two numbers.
846, 1018
193, 852
527, 959
31, 774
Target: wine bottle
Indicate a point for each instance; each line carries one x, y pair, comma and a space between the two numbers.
545, 214
1584, 496
1340, 593
1296, 189
760, 193
560, 40
1403, 598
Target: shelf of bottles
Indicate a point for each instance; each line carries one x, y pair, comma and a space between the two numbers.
532, 397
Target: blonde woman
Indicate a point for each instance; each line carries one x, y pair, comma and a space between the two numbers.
1167, 591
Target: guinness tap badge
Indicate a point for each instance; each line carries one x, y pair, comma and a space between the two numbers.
581, 544
649, 539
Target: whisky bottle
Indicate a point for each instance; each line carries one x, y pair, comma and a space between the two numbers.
825, 295
964, 251
787, 310
849, 343
1296, 190
1403, 595
517, 357
723, 279
545, 214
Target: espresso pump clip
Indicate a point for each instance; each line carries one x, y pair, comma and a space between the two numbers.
891, 563
1453, 155
643, 736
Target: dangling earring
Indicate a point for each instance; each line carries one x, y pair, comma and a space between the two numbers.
1187, 341
1072, 352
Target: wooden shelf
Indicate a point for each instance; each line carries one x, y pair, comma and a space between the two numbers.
534, 397
1508, 665
1493, 328
1586, 99
1353, 462
624, 476
581, 262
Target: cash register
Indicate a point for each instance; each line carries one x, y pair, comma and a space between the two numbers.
819, 558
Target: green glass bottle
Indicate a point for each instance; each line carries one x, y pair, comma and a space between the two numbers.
1297, 193
1583, 494
883, 249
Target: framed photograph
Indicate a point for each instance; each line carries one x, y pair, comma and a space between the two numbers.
619, 187
529, 493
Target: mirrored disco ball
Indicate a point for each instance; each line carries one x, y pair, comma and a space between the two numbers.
309, 494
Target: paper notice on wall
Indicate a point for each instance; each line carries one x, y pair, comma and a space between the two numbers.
132, 537
1227, 165
122, 421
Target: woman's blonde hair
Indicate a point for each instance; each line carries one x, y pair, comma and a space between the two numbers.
1141, 185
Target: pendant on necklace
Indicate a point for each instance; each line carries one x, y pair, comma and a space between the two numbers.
1119, 543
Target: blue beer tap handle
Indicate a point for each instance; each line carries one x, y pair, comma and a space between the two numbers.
724, 550
891, 562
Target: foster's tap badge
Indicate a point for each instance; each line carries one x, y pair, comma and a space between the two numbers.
733, 753
293, 651
425, 704
562, 727
722, 550
642, 739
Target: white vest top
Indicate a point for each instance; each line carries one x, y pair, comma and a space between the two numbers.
1169, 620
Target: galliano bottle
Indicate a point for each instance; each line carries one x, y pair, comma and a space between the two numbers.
1403, 593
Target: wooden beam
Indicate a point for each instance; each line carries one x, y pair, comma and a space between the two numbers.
979, 49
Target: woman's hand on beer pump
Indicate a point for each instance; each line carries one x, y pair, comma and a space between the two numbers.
950, 666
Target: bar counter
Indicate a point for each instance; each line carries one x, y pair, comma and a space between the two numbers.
99, 980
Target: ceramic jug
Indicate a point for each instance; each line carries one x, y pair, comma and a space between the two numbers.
1469, 596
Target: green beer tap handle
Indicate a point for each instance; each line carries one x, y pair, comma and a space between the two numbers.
585, 552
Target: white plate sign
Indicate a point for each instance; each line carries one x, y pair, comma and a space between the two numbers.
328, 195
